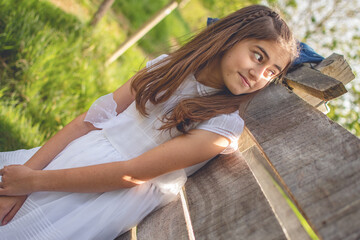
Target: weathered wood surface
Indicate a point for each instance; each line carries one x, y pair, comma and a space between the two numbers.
246, 140
166, 223
315, 83
316, 160
225, 202
283, 212
313, 101
125, 236
336, 66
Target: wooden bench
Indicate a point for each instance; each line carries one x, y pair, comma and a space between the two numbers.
288, 147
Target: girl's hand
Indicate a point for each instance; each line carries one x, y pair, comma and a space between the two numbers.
17, 180
9, 206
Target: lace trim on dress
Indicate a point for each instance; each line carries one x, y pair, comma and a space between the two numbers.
103, 109
152, 62
204, 90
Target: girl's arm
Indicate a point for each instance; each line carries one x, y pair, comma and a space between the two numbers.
75, 129
178, 153
58, 142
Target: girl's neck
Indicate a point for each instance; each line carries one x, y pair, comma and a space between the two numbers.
210, 75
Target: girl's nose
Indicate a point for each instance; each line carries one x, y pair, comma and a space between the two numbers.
257, 73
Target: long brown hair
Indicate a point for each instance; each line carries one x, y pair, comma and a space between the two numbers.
253, 22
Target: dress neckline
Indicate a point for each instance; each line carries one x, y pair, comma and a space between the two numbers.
202, 89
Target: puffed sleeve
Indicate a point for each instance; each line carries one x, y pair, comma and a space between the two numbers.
102, 110
152, 62
227, 125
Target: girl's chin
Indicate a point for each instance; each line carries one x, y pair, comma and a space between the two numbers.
238, 91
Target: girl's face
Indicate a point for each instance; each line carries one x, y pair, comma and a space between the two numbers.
250, 65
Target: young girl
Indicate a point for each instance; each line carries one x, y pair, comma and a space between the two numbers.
134, 148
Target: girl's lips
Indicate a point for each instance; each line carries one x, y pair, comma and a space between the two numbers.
244, 80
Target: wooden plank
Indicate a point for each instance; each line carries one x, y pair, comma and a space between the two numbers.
226, 202
246, 141
125, 236
316, 160
283, 212
166, 223
315, 83
336, 66
129, 235
313, 101
251, 141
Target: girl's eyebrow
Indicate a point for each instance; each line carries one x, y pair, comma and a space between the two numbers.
267, 56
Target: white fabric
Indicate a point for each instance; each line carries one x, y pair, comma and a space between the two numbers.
58, 215
54, 215
103, 109
227, 125
151, 63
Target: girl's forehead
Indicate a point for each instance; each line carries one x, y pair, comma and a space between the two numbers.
266, 43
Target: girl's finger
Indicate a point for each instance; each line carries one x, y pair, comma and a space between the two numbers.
11, 214
1, 172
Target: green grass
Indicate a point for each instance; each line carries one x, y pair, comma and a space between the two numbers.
52, 69
16, 129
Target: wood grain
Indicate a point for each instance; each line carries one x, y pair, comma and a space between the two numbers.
166, 223
336, 66
125, 236
283, 212
315, 83
316, 160
245, 142
225, 202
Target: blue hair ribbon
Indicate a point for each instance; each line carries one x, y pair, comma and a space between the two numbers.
211, 21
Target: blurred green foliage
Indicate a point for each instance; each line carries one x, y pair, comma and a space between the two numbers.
156, 41
224, 7
51, 70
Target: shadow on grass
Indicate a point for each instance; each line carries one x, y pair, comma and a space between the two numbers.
10, 139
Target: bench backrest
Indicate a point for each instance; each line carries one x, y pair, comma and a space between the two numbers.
289, 145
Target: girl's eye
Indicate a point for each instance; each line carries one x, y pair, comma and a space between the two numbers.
271, 73
258, 57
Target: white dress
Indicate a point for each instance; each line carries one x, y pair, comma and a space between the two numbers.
63, 215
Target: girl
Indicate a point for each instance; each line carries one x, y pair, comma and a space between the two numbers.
133, 149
